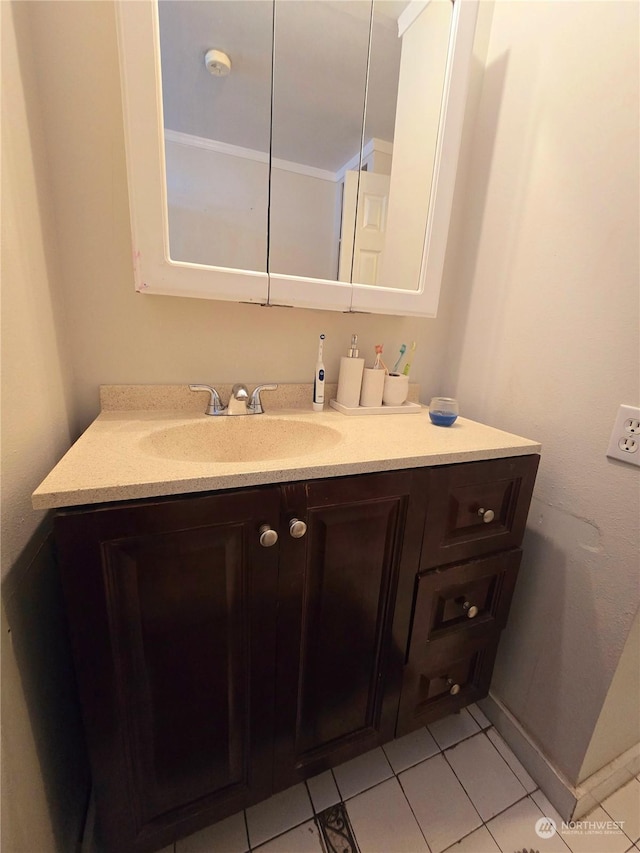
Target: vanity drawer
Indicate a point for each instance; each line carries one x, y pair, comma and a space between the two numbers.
454, 675
469, 598
477, 508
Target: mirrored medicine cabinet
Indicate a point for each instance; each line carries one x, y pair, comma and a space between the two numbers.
294, 152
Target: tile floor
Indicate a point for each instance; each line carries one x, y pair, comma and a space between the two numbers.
454, 786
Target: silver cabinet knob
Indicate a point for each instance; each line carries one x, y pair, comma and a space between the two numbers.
470, 609
297, 528
487, 515
454, 688
268, 536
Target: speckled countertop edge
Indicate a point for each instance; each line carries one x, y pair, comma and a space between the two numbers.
115, 458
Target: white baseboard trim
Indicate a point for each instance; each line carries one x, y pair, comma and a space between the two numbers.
600, 785
570, 801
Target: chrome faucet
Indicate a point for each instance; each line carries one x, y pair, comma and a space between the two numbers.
240, 403
214, 406
238, 400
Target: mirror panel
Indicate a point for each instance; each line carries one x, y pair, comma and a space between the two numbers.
217, 130
321, 52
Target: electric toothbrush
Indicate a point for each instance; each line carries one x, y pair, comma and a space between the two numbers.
318, 381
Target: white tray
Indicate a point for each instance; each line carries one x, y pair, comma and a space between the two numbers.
406, 408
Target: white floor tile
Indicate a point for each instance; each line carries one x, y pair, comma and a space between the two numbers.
382, 821
545, 807
362, 773
624, 805
480, 841
454, 728
481, 719
514, 763
488, 780
439, 802
278, 814
302, 839
410, 749
515, 829
590, 835
229, 835
323, 791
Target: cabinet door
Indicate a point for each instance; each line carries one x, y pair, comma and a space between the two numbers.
341, 650
172, 613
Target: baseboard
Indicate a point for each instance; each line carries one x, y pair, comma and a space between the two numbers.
597, 787
571, 802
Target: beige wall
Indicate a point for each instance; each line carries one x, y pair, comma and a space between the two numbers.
618, 726
545, 343
44, 775
540, 312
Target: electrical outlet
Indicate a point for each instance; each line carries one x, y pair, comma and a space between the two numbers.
624, 443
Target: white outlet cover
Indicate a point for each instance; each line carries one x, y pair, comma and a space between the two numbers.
624, 443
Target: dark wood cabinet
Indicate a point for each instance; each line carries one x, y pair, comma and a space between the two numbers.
462, 602
172, 611
214, 671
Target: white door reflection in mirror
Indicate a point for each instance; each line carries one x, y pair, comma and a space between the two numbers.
424, 39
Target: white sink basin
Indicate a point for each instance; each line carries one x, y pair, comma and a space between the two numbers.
247, 438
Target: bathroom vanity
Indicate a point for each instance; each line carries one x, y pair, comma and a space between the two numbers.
239, 627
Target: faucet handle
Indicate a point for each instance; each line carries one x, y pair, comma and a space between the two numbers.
255, 403
214, 406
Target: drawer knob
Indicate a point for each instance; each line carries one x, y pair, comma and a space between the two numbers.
268, 536
297, 528
470, 609
487, 515
454, 688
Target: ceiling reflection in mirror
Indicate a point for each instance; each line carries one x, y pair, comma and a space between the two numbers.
336, 169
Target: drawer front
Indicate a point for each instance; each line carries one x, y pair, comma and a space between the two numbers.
477, 508
467, 599
440, 683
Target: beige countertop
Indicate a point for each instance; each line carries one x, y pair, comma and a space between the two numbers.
123, 456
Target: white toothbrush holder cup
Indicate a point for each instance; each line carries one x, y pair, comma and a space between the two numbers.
396, 389
372, 387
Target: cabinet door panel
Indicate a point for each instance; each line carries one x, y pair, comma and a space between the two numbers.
183, 653
349, 570
172, 614
339, 659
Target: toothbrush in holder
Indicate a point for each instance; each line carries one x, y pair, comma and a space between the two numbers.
407, 366
403, 349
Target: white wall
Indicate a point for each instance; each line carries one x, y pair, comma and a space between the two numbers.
618, 726
44, 773
545, 343
218, 213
